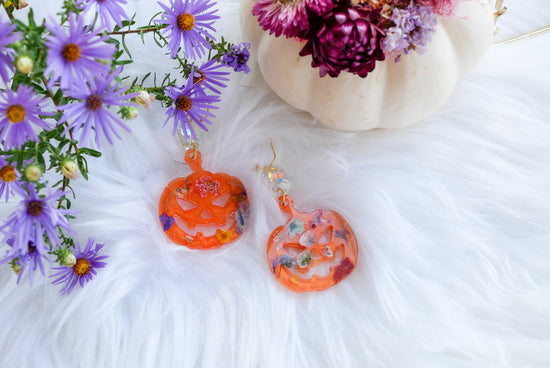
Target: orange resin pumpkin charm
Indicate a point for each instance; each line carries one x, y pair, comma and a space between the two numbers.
312, 251
203, 210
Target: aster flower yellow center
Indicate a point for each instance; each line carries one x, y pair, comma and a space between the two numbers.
35, 208
71, 52
15, 113
94, 102
81, 267
7, 173
184, 103
200, 78
186, 22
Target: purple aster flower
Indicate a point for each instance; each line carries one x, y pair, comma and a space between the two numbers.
93, 112
9, 177
17, 111
209, 77
6, 54
30, 257
189, 106
87, 261
413, 28
238, 57
189, 22
35, 217
289, 18
166, 221
74, 58
345, 39
109, 11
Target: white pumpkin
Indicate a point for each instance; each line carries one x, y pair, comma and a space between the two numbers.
394, 95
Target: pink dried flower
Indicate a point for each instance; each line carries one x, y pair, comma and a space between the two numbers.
445, 8
288, 17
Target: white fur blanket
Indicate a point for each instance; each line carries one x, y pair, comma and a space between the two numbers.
452, 217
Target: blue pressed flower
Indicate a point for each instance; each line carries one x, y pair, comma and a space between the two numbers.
6, 54
93, 112
109, 11
83, 271
241, 217
9, 178
208, 76
189, 107
30, 257
17, 111
35, 217
190, 23
75, 57
238, 57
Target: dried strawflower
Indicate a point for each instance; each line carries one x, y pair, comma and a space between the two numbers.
345, 39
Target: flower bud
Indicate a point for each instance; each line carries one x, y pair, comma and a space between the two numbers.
21, 4
129, 113
144, 99
70, 170
16, 268
24, 64
69, 260
33, 173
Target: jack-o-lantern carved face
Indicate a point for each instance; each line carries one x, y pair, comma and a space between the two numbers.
312, 251
203, 210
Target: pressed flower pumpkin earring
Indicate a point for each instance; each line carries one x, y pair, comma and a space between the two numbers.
312, 251
203, 210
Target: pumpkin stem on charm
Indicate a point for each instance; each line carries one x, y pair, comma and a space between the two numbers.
286, 204
193, 159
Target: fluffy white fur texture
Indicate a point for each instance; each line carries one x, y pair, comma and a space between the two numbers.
451, 215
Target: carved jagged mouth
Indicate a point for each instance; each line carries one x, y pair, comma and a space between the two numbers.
206, 230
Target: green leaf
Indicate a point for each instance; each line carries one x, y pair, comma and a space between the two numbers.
89, 152
125, 47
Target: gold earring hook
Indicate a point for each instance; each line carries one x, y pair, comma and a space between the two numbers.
194, 145
270, 167
283, 194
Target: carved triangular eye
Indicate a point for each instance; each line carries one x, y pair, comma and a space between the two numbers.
206, 215
326, 237
185, 205
221, 201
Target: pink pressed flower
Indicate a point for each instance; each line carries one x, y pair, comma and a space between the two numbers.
288, 17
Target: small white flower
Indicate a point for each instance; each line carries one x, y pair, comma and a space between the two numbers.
24, 64
144, 99
33, 173
69, 260
70, 170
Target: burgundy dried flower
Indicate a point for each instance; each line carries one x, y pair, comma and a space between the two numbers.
345, 39
288, 17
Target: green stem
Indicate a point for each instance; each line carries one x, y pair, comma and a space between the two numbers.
141, 30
